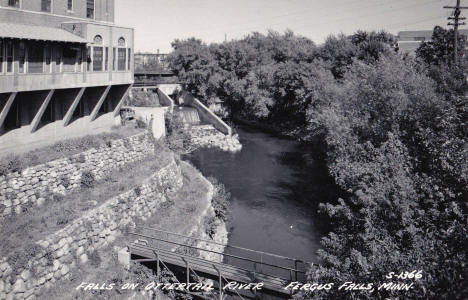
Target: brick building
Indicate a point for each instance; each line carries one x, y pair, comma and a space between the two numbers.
65, 69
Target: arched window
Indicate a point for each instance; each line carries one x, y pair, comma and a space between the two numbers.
98, 39
121, 42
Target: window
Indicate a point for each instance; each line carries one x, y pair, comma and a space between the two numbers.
45, 5
69, 58
121, 42
48, 58
419, 38
21, 57
97, 39
106, 57
58, 59
14, 3
97, 59
129, 58
9, 56
1, 56
70, 4
90, 9
88, 59
121, 59
36, 58
114, 58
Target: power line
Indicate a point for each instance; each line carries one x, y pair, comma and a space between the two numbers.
456, 18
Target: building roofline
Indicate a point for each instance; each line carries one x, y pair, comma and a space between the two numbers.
61, 16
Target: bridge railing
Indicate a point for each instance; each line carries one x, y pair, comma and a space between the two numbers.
253, 261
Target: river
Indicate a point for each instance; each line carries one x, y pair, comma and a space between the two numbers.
275, 187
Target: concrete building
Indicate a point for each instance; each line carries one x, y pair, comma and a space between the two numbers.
409, 41
65, 69
150, 61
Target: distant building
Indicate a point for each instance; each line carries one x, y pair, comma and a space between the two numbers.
64, 69
151, 61
409, 41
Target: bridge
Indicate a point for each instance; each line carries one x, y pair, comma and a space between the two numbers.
175, 253
150, 79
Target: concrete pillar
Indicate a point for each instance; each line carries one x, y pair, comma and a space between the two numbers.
99, 104
37, 118
119, 105
7, 107
71, 110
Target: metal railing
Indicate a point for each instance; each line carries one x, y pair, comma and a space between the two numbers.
252, 261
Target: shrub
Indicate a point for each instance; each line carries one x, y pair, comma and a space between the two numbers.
210, 224
140, 123
65, 181
137, 191
87, 179
56, 197
11, 163
95, 258
81, 158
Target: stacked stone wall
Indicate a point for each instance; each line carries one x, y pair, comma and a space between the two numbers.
32, 185
55, 256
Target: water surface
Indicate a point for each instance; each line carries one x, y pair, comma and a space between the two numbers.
275, 187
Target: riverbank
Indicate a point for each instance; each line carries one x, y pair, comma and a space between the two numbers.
183, 212
73, 236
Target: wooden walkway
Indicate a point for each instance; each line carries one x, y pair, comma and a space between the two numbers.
237, 264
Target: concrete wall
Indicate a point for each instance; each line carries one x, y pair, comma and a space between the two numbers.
169, 88
165, 100
34, 184
60, 252
205, 114
157, 125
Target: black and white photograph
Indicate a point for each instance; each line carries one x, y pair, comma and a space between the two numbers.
233, 149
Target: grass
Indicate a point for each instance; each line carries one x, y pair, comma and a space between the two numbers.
16, 163
58, 210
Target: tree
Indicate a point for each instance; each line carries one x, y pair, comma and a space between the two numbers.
438, 55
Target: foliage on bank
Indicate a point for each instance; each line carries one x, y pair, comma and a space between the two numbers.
395, 136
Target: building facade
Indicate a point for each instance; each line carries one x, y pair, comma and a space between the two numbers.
65, 69
409, 41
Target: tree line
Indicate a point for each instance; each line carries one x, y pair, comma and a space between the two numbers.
393, 128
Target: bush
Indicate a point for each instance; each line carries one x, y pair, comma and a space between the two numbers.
140, 123
94, 258
87, 179
65, 181
210, 224
137, 191
143, 99
10, 164
220, 200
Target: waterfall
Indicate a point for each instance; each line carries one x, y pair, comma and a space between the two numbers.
189, 115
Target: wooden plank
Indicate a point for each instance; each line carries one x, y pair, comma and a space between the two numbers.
37, 118
7, 107
71, 110
99, 104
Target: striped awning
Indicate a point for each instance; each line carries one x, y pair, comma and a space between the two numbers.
31, 32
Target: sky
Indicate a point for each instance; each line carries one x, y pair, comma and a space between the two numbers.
159, 22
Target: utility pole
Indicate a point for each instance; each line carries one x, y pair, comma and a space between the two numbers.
456, 18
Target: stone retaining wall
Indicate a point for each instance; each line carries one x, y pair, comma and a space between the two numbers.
32, 185
75, 244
